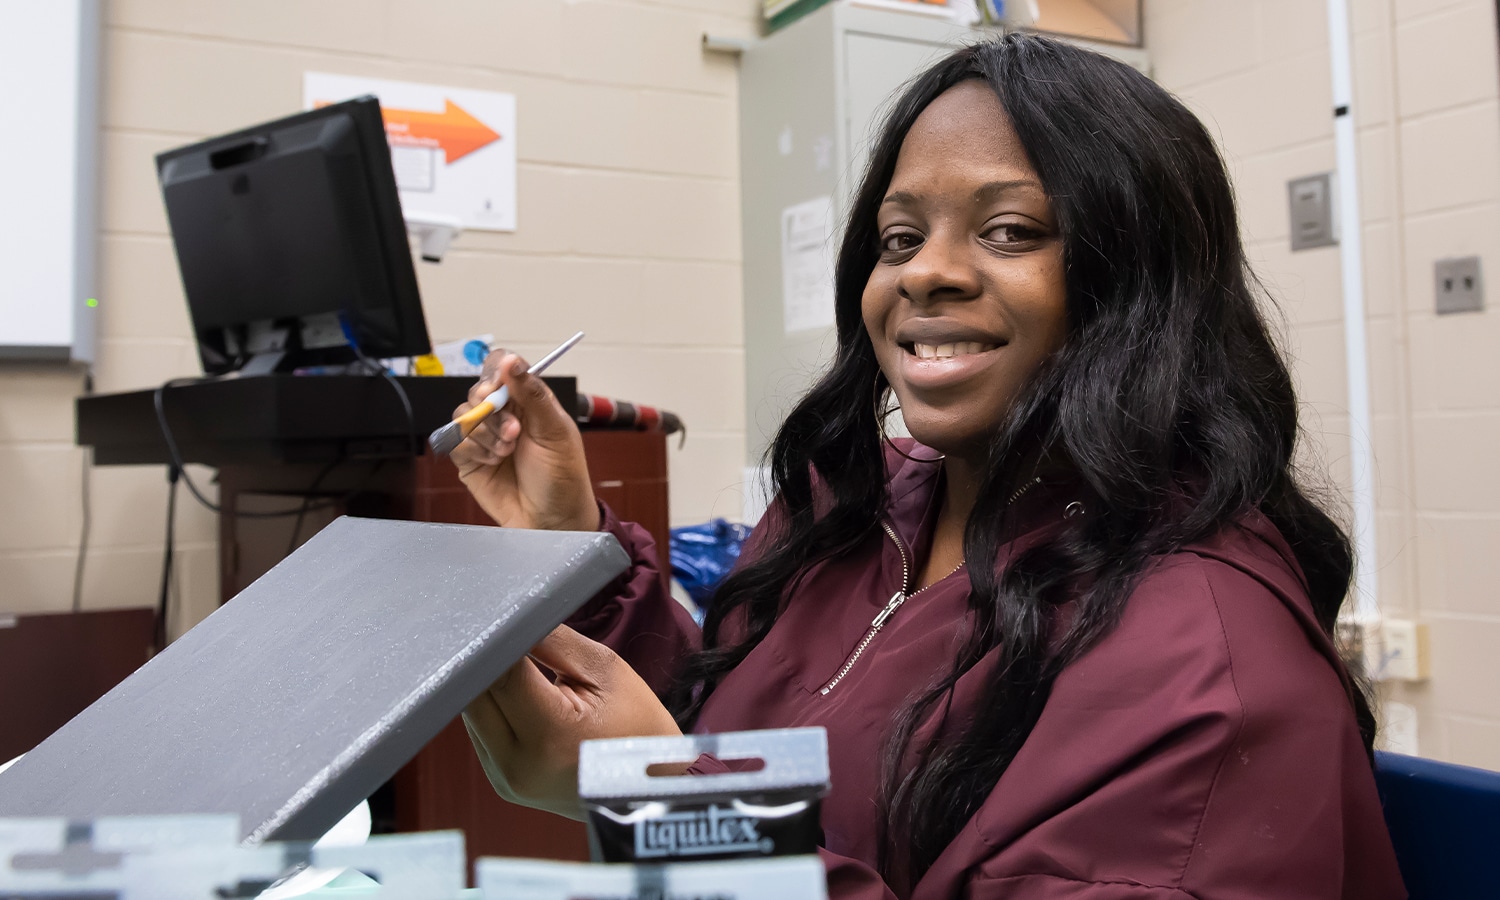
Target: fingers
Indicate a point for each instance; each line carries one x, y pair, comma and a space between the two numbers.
492, 734
529, 393
494, 741
525, 462
544, 416
491, 441
530, 703
575, 658
527, 728
489, 373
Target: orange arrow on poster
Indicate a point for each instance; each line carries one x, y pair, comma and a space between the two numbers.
454, 130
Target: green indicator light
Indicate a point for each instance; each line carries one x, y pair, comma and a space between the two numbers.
91, 303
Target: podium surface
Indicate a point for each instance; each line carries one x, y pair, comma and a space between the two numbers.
276, 418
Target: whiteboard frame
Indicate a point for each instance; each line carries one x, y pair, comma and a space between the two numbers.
50, 75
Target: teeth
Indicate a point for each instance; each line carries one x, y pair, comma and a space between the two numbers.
946, 351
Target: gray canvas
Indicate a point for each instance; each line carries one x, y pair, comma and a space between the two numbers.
296, 699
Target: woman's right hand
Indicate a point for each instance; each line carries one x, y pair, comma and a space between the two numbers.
524, 464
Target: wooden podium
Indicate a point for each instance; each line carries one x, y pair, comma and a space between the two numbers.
341, 445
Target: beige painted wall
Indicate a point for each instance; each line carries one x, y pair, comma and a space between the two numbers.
629, 229
1427, 110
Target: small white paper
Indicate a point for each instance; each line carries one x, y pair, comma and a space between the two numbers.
807, 265
415, 168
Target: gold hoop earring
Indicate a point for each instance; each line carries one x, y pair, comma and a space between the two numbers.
880, 416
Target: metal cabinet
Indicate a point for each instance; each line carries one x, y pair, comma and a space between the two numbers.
810, 97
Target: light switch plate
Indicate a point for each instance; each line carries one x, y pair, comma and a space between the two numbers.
1310, 200
1404, 652
1459, 285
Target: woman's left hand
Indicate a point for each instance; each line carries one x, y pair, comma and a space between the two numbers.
526, 727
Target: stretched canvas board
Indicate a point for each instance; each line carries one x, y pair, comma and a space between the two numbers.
299, 697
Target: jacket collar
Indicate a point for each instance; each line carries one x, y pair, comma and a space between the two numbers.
915, 478
914, 491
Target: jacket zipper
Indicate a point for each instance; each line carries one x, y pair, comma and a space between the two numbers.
885, 613
901, 596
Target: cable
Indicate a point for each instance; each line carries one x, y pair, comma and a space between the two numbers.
176, 469
166, 562
411, 431
83, 534
175, 456
303, 509
411, 419
376, 368
307, 500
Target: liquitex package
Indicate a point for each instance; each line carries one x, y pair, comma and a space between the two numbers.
767, 804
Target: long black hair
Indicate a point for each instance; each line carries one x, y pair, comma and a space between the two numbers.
1159, 298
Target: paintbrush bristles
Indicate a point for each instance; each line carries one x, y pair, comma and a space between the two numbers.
444, 440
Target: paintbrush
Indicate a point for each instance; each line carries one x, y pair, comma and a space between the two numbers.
451, 435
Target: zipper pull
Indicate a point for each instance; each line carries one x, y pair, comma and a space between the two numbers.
896, 600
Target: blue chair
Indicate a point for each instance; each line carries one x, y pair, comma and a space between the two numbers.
1445, 822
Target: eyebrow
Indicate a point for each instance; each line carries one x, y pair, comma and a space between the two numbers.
985, 193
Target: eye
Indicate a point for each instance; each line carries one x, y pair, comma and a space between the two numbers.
896, 241
1013, 234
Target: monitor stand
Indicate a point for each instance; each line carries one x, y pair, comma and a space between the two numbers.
262, 364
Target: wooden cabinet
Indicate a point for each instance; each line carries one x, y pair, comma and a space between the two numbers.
53, 665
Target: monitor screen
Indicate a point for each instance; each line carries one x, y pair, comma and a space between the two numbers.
290, 241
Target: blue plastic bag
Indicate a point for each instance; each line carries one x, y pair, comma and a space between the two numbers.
703, 554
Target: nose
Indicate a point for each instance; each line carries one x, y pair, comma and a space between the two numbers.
941, 269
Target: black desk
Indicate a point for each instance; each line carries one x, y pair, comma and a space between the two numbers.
276, 418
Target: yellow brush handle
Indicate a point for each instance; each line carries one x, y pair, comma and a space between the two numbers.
471, 419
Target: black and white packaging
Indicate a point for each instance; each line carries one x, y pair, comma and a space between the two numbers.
767, 805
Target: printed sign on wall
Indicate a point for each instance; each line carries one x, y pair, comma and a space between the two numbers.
807, 265
453, 149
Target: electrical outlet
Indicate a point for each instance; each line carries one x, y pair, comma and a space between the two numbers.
1458, 285
1403, 651
1310, 201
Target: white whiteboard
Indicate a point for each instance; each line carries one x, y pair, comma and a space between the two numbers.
49, 63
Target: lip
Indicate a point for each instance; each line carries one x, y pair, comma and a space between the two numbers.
938, 374
935, 374
943, 331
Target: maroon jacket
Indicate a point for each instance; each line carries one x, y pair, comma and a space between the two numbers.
1205, 748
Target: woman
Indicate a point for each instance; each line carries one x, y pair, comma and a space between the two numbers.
1136, 694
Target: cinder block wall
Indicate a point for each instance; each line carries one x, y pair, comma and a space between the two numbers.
629, 229
1427, 109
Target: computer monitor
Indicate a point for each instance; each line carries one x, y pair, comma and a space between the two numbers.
291, 243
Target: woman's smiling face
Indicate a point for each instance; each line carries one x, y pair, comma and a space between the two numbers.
968, 297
